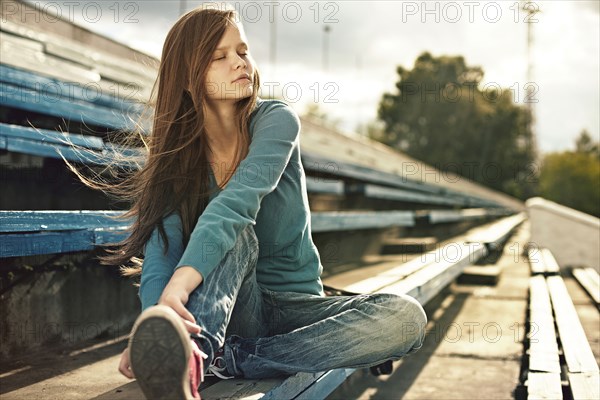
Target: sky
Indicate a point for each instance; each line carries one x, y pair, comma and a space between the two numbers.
367, 40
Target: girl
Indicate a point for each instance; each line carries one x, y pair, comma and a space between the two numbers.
230, 280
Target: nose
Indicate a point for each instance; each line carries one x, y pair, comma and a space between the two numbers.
240, 62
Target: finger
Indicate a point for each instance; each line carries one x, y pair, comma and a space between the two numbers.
124, 368
192, 328
183, 312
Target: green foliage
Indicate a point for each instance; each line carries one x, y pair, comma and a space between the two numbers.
573, 178
440, 116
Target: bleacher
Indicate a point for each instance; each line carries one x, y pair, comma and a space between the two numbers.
353, 206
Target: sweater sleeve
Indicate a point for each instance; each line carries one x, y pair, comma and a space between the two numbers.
157, 267
275, 134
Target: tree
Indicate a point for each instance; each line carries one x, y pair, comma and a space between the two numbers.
585, 144
572, 178
440, 116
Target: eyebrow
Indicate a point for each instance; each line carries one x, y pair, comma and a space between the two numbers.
243, 44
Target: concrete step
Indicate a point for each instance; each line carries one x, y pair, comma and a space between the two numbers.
480, 275
474, 342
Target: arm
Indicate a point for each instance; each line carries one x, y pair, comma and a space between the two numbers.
275, 134
157, 268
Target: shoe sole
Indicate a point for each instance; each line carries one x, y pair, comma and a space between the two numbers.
159, 354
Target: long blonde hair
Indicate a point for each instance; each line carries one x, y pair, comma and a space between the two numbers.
175, 174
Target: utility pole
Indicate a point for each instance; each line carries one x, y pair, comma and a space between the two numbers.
326, 30
273, 47
531, 9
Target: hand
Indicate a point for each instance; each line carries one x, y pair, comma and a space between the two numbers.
125, 365
176, 296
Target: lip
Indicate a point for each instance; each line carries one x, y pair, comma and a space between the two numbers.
242, 77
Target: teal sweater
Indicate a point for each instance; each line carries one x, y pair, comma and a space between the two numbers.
268, 190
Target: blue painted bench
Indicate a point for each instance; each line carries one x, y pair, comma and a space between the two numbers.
31, 92
26, 233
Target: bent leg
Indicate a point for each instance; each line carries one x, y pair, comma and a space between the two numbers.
233, 281
322, 333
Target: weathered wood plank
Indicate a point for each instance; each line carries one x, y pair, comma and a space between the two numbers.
588, 279
387, 193
313, 162
391, 276
317, 185
493, 236
426, 282
543, 346
584, 385
549, 261
445, 216
56, 87
77, 52
544, 386
326, 384
576, 348
536, 261
327, 221
47, 64
51, 137
31, 100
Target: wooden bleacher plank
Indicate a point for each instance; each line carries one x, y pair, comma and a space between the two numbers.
584, 385
51, 137
77, 52
21, 42
116, 74
543, 347
329, 221
34, 221
322, 387
493, 236
49, 65
549, 262
588, 279
268, 388
52, 87
393, 275
29, 244
387, 193
36, 61
30, 100
320, 164
97, 221
73, 147
27, 233
536, 261
426, 283
444, 216
544, 386
576, 348
318, 185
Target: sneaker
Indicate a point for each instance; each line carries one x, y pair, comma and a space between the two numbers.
218, 367
166, 363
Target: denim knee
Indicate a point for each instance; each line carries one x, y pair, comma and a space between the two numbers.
415, 320
409, 320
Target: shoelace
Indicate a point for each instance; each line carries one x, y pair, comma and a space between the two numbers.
218, 366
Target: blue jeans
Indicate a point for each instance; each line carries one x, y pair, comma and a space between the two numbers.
268, 334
